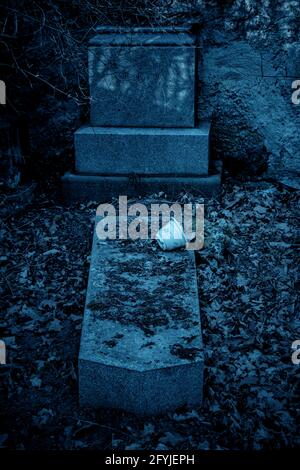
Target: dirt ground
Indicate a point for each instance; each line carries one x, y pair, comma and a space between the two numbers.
247, 276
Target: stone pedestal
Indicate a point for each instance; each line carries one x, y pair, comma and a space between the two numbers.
143, 117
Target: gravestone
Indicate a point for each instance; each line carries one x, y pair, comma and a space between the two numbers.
142, 77
143, 117
141, 346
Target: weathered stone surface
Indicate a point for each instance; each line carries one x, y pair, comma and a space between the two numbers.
284, 63
122, 151
233, 62
273, 67
103, 188
142, 77
141, 346
254, 122
293, 60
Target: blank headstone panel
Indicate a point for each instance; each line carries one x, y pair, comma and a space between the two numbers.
142, 77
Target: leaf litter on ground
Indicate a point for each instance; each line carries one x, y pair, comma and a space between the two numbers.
248, 281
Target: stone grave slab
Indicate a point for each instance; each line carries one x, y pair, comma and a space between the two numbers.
145, 151
142, 77
141, 345
143, 136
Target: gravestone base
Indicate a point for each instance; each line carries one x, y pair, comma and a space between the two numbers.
148, 151
141, 344
84, 188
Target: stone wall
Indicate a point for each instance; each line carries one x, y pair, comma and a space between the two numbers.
246, 73
249, 101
